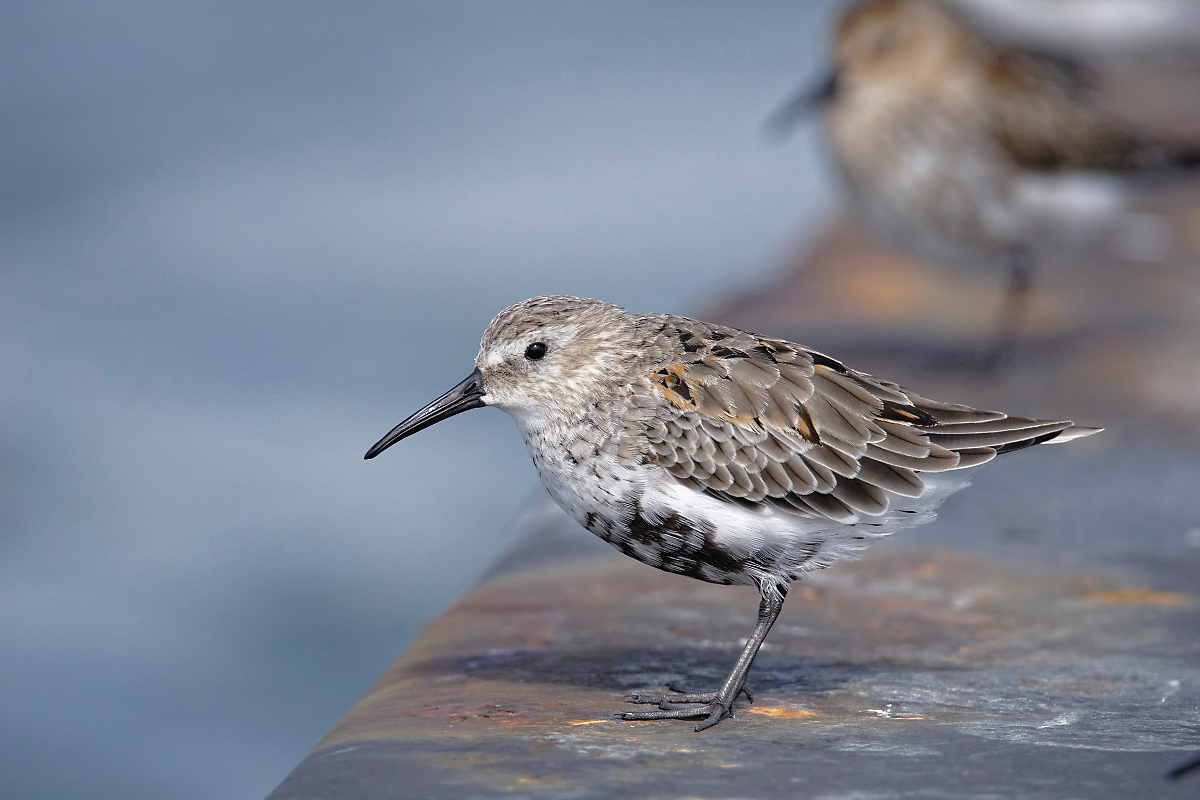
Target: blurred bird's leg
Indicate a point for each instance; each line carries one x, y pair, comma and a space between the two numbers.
1184, 769
718, 705
1001, 350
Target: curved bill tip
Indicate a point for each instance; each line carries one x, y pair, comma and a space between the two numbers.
463, 397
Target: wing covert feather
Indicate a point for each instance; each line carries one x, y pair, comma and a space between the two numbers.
1045, 118
756, 420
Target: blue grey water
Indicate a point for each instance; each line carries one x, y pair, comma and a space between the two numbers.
238, 242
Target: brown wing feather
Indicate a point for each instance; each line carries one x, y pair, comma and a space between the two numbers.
753, 420
1045, 119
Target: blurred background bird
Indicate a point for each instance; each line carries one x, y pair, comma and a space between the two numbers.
981, 153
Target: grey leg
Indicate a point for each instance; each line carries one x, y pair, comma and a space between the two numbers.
718, 705
1184, 769
1013, 311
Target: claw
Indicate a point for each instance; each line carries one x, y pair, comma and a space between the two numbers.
676, 712
650, 699
718, 714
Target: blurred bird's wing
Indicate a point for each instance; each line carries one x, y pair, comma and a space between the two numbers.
1045, 117
756, 420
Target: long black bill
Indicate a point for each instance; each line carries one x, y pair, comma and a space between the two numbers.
810, 99
464, 397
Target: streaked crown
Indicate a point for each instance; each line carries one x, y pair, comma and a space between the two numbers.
556, 354
898, 41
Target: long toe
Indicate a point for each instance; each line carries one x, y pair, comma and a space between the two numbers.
702, 697
680, 695
650, 699
676, 712
657, 699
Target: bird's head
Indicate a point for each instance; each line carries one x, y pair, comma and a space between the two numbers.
884, 52
884, 42
542, 357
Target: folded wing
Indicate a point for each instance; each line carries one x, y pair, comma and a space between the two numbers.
763, 421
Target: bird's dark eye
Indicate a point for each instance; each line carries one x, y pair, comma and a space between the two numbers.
536, 351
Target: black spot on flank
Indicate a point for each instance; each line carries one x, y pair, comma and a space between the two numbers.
717, 336
693, 347
910, 415
685, 335
728, 352
825, 361
683, 391
679, 545
642, 530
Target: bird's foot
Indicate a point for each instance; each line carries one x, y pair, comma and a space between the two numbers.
712, 713
686, 705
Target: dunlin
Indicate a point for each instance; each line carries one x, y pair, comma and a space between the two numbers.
973, 154
719, 454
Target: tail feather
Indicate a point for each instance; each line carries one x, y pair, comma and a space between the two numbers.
1073, 432
979, 437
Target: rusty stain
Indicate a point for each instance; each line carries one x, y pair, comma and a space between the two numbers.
846, 279
898, 289
1137, 596
929, 569
809, 592
782, 711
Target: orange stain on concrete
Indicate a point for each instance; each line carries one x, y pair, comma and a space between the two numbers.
780, 711
1139, 596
